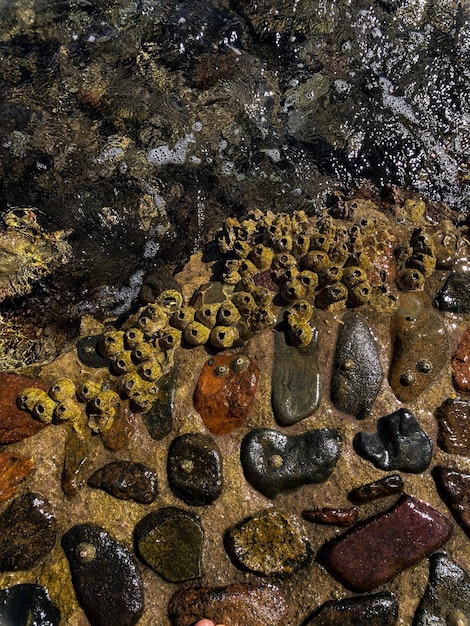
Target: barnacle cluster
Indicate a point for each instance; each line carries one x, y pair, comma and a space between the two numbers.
417, 262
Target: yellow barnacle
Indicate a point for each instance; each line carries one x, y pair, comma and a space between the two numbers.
353, 275
28, 397
123, 362
424, 263
143, 351
319, 241
227, 314
43, 409
330, 294
283, 261
360, 294
196, 334
231, 278
310, 280
261, 319
62, 389
299, 312
67, 411
241, 249
247, 268
300, 245
170, 301
207, 314
410, 280
133, 336
330, 274
105, 401
293, 290
88, 390
142, 400
111, 343
244, 302
170, 338
338, 252
261, 256
262, 296
181, 318
100, 422
129, 383
283, 244
155, 312
300, 335
150, 370
223, 336
315, 260
150, 327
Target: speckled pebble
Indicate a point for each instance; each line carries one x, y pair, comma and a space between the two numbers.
170, 541
267, 544
382, 488
274, 462
379, 609
453, 486
159, 419
76, 463
455, 294
126, 480
195, 469
27, 605
88, 353
453, 418
400, 444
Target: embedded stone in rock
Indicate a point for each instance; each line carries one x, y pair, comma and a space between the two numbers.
28, 532
16, 424
455, 294
446, 600
400, 444
454, 488
27, 605
225, 391
337, 517
242, 604
460, 364
170, 541
159, 420
274, 462
14, 468
122, 430
453, 418
379, 609
401, 537
420, 346
195, 469
105, 576
127, 481
357, 373
267, 544
87, 351
295, 384
387, 486
76, 463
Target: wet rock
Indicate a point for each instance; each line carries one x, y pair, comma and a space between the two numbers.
295, 386
454, 488
379, 609
170, 541
195, 469
401, 537
87, 352
15, 424
453, 418
28, 532
122, 430
27, 605
76, 464
14, 468
388, 486
419, 346
400, 444
127, 481
357, 373
446, 600
274, 462
225, 391
105, 577
455, 294
336, 517
267, 544
159, 420
460, 364
237, 605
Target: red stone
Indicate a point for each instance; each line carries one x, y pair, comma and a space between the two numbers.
336, 517
224, 396
14, 468
460, 363
454, 487
376, 550
453, 417
15, 424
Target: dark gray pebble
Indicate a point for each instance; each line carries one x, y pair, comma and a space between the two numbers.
27, 605
274, 462
400, 444
357, 373
28, 532
455, 294
127, 481
387, 486
378, 609
170, 541
447, 597
195, 469
88, 353
159, 419
105, 576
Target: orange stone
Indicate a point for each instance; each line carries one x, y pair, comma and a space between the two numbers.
15, 424
13, 469
225, 391
121, 432
461, 364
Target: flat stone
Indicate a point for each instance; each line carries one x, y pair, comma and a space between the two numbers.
295, 382
357, 373
420, 346
27, 605
401, 537
76, 463
267, 544
15, 424
195, 469
238, 605
382, 488
460, 364
455, 294
274, 462
14, 468
446, 601
126, 480
453, 418
225, 391
400, 444
105, 576
170, 541
87, 352
454, 488
122, 430
28, 532
328, 515
378, 609
159, 420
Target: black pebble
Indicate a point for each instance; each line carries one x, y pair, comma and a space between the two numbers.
455, 294
88, 354
378, 609
27, 605
159, 419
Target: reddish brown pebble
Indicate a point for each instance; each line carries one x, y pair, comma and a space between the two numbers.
382, 488
237, 605
453, 418
336, 517
16, 424
121, 432
460, 364
376, 550
454, 488
13, 469
225, 392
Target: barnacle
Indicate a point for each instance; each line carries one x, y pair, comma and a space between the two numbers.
88, 389
43, 409
105, 401
150, 370
240, 363
247, 268
207, 314
330, 274
315, 260
262, 296
261, 256
331, 294
143, 351
283, 261
261, 319
170, 338
424, 263
353, 275
150, 327
67, 411
129, 383
241, 249
282, 244
410, 280
244, 302
300, 335
155, 311
111, 343
170, 301
28, 397
319, 241
62, 389
231, 278
338, 252
422, 242
142, 400
100, 422
223, 336
294, 290
133, 336
123, 362
227, 314
359, 294
298, 312
300, 245
196, 334
310, 280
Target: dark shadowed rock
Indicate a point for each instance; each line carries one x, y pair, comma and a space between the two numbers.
379, 609
159, 420
87, 352
387, 486
455, 294
126, 480
27, 605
